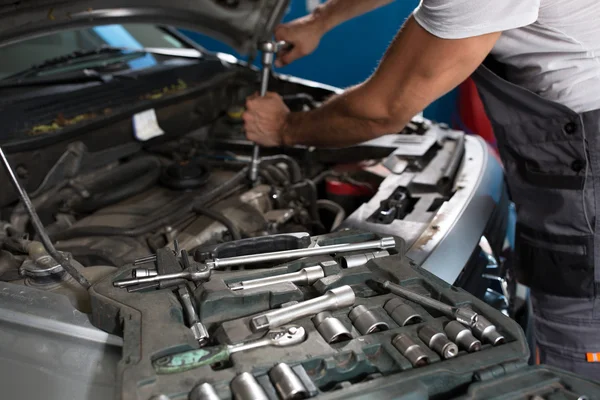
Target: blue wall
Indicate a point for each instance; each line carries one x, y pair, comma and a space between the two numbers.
348, 54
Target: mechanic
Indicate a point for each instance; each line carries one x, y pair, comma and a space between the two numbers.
537, 67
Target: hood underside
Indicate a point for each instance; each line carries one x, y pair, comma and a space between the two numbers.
239, 23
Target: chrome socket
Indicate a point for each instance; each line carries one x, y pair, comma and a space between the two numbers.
287, 383
366, 321
486, 331
402, 313
200, 333
246, 387
143, 272
462, 336
331, 328
412, 351
204, 391
358, 260
438, 342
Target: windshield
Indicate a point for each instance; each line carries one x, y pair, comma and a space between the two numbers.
21, 56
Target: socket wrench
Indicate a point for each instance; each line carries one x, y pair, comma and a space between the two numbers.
269, 49
198, 329
412, 351
305, 277
331, 328
334, 299
245, 387
367, 321
287, 383
402, 313
462, 336
438, 341
204, 391
201, 272
187, 360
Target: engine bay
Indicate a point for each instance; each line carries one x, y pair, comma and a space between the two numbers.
120, 209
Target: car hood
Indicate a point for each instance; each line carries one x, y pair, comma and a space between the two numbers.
239, 23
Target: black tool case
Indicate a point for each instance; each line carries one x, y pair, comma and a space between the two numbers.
367, 366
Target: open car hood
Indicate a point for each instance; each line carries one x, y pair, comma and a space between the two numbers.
239, 23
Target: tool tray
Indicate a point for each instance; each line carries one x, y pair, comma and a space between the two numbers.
367, 366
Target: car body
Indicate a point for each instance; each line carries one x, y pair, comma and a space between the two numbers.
94, 151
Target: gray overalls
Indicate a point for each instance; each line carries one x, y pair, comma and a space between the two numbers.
551, 156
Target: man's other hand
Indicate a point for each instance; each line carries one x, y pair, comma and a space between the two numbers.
265, 119
303, 33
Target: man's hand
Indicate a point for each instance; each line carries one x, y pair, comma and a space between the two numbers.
265, 119
303, 33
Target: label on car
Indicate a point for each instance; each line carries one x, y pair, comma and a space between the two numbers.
145, 125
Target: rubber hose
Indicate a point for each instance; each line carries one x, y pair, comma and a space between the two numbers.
340, 214
178, 214
121, 183
217, 216
294, 168
277, 173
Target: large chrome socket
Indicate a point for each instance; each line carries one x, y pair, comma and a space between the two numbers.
402, 313
486, 331
204, 391
287, 383
462, 336
334, 299
245, 387
412, 351
366, 321
358, 260
331, 328
438, 341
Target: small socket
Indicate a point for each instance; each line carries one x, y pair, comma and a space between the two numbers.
331, 328
245, 387
204, 391
486, 331
438, 341
402, 313
462, 336
366, 321
412, 351
200, 333
287, 383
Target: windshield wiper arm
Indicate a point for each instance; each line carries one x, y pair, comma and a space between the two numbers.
80, 56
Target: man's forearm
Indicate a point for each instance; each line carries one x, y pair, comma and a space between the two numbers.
342, 121
417, 69
335, 12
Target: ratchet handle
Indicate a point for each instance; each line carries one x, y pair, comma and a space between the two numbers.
188, 360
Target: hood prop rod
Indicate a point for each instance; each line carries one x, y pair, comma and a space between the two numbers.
39, 228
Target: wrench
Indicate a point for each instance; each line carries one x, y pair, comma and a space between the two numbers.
334, 299
282, 337
202, 271
269, 49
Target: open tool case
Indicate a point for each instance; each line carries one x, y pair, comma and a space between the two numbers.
367, 366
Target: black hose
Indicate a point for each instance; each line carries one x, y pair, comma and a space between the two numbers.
278, 174
294, 168
120, 183
178, 214
217, 216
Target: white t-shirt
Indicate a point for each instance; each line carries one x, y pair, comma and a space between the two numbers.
551, 47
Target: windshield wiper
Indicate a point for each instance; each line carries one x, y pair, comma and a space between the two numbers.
101, 54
